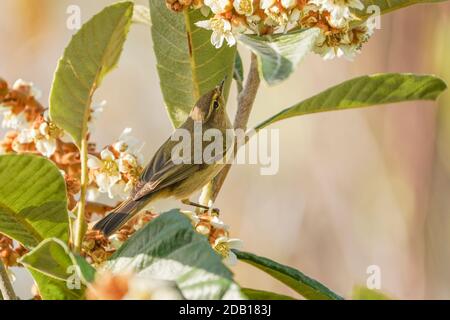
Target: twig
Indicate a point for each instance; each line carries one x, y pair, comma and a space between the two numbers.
80, 223
6, 287
246, 101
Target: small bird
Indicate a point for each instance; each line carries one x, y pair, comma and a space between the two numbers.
162, 178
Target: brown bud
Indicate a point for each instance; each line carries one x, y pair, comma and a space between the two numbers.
3, 88
176, 5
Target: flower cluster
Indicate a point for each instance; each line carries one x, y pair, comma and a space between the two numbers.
341, 33
97, 248
217, 233
29, 130
9, 252
118, 167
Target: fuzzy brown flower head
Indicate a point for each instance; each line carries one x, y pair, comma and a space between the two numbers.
131, 227
176, 5
7, 253
94, 210
21, 98
3, 88
208, 225
96, 247
180, 5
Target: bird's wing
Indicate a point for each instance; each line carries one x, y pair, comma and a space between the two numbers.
160, 173
168, 175
158, 162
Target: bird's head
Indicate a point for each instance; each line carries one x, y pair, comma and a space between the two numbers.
210, 105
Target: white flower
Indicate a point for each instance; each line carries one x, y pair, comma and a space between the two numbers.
122, 189
219, 224
288, 3
291, 22
221, 31
128, 144
97, 109
44, 138
26, 136
118, 168
339, 10
283, 21
347, 44
106, 172
92, 194
266, 4
218, 6
192, 216
127, 163
14, 121
115, 242
27, 88
224, 245
244, 7
46, 147
253, 22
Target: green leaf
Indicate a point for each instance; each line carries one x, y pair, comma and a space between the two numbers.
54, 267
188, 64
387, 6
92, 53
364, 293
307, 287
254, 294
168, 248
364, 92
279, 55
52, 289
33, 201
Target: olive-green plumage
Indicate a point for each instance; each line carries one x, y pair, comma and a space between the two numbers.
162, 178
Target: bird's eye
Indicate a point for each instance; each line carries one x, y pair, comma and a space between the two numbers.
216, 104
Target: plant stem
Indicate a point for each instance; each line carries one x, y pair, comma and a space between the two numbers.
6, 287
80, 223
246, 100
247, 97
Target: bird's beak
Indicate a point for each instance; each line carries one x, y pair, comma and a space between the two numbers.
221, 86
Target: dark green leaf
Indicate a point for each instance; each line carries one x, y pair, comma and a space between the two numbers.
304, 285
188, 64
168, 248
364, 92
254, 294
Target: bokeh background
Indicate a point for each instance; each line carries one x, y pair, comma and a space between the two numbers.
354, 189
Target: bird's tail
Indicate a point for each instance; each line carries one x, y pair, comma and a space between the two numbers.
119, 216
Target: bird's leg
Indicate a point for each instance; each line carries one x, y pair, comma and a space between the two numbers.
197, 205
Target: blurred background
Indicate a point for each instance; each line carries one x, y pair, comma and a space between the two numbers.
355, 188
